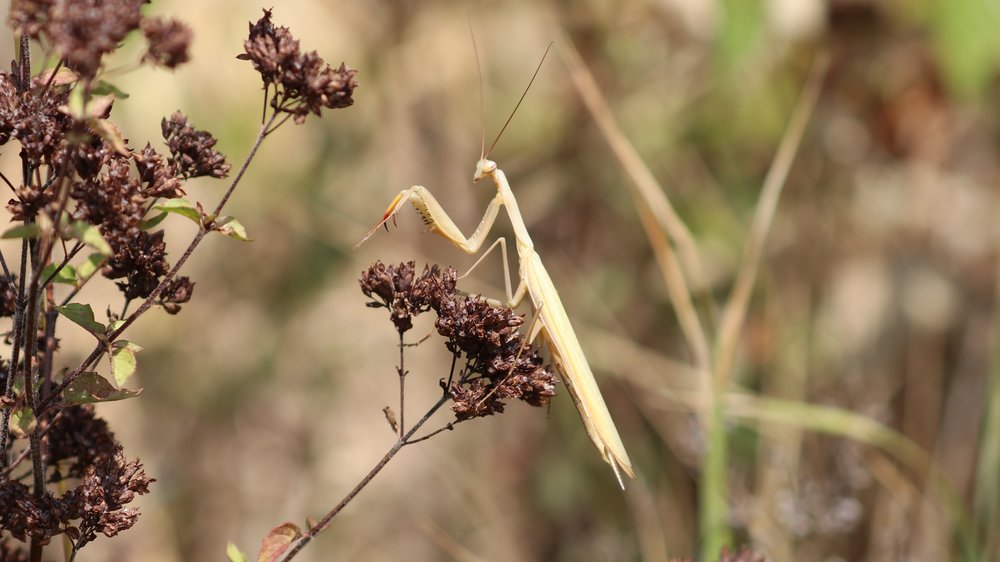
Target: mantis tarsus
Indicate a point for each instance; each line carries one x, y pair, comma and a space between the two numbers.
553, 323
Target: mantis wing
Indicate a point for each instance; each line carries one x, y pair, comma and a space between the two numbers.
574, 369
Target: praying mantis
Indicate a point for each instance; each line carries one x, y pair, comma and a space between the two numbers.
552, 323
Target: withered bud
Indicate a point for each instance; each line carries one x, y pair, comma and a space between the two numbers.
168, 41
191, 150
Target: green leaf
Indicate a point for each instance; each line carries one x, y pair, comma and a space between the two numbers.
123, 360
90, 387
89, 266
22, 421
27, 230
235, 554
66, 275
83, 315
151, 223
77, 103
181, 207
277, 542
89, 235
103, 88
232, 228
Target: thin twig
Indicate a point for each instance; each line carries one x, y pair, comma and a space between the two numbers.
52, 77
22, 80
7, 181
70, 255
400, 443
15, 355
3, 262
447, 427
4, 473
32, 310
81, 282
402, 386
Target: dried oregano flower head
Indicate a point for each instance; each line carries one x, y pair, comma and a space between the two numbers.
404, 294
168, 42
191, 152
81, 447
116, 187
303, 82
499, 364
118, 198
83, 31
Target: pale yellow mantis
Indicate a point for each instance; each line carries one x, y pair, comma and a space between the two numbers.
552, 321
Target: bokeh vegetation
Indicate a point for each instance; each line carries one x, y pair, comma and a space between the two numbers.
863, 416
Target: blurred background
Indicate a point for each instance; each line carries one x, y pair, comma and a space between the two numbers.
857, 419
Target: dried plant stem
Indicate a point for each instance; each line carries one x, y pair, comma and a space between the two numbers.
659, 218
15, 356
665, 229
714, 511
736, 306
402, 387
447, 427
148, 303
403, 441
21, 81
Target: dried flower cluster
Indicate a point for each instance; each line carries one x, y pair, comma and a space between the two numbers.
36, 122
8, 295
83, 189
116, 193
84, 31
303, 82
81, 447
499, 364
168, 41
108, 188
191, 150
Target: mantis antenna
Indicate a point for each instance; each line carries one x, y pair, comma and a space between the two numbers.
484, 154
482, 95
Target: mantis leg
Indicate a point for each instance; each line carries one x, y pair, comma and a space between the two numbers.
438, 220
506, 266
513, 298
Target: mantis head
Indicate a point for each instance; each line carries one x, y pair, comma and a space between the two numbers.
484, 168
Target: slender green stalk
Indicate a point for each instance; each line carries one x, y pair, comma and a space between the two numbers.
988, 466
714, 511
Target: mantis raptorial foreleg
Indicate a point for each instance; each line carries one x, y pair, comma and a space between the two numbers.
438, 220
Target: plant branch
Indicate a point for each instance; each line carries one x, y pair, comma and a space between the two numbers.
402, 386
148, 303
400, 443
447, 427
22, 81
